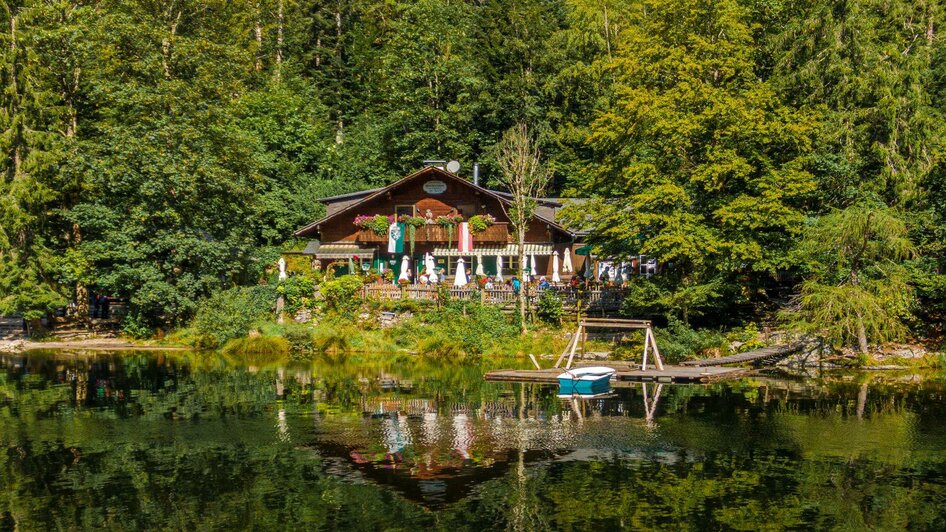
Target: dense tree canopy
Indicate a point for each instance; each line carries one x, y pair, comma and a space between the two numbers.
159, 150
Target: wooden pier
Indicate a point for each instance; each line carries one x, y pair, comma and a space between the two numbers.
757, 357
626, 373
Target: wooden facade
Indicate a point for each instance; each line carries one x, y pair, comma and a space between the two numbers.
429, 193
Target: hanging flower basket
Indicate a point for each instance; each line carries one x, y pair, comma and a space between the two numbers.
449, 222
480, 223
377, 224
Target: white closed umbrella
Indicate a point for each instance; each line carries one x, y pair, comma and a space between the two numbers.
499, 268
555, 276
532, 267
567, 263
459, 280
588, 271
405, 269
431, 268
480, 272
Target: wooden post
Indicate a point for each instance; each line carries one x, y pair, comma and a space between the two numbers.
646, 348
571, 355
653, 343
532, 357
561, 357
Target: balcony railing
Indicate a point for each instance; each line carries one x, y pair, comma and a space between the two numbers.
434, 233
596, 299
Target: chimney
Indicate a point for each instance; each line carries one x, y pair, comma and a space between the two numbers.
476, 173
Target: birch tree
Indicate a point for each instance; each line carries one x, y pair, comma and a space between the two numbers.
523, 175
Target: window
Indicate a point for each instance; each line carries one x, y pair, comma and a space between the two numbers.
511, 265
469, 263
400, 210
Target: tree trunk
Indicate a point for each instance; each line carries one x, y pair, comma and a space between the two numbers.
279, 39
861, 401
258, 32
167, 46
82, 291
521, 238
861, 334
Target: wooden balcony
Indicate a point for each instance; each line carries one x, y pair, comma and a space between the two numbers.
433, 233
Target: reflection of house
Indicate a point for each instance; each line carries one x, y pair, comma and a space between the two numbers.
429, 193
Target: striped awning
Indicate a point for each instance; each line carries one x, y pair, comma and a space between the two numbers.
343, 251
509, 250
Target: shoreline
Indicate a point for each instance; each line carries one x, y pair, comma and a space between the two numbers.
100, 344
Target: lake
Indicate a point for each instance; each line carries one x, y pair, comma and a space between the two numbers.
182, 440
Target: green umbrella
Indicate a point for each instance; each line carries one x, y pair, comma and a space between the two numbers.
583, 250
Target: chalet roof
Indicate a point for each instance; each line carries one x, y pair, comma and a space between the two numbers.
355, 199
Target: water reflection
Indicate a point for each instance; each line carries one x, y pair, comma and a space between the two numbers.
411, 435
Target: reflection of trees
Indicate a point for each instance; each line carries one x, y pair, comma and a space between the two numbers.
200, 441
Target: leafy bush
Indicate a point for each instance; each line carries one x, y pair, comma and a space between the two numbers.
258, 349
473, 328
298, 292
231, 314
679, 342
342, 292
550, 308
134, 326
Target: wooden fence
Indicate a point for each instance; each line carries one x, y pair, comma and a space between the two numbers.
597, 299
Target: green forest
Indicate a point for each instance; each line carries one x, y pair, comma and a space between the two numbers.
784, 158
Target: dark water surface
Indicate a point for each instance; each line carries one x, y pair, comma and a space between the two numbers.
192, 442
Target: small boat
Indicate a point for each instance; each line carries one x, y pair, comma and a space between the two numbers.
590, 380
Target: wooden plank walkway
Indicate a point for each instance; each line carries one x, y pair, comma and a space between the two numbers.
626, 374
756, 357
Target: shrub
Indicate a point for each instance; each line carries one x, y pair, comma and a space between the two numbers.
231, 314
258, 349
342, 292
678, 342
300, 339
473, 327
550, 308
298, 292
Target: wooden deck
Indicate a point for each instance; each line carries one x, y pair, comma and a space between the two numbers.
626, 374
756, 357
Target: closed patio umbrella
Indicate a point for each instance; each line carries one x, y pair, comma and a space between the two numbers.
588, 271
405, 269
532, 267
480, 272
351, 266
567, 262
499, 268
431, 268
459, 279
555, 276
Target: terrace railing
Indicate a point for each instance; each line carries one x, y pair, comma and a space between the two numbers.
596, 299
434, 233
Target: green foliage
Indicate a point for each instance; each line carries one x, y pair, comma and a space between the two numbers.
461, 330
700, 164
549, 308
258, 349
342, 293
162, 152
231, 314
480, 222
856, 291
298, 292
679, 342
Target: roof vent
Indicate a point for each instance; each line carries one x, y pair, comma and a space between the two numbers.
436, 163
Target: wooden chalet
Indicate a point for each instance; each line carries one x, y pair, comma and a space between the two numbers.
429, 193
